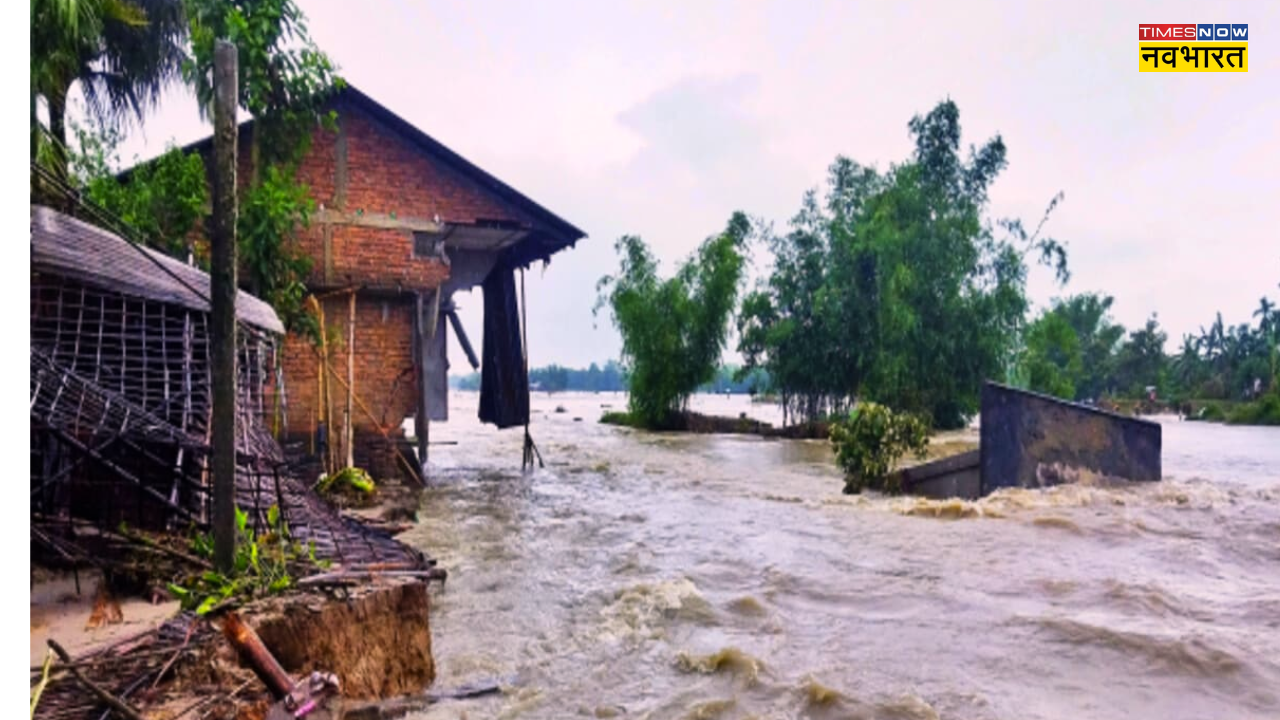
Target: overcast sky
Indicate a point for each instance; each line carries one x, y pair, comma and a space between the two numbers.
660, 119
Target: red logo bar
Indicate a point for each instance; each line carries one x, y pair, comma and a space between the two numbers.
1178, 31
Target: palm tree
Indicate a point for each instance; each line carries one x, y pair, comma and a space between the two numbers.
122, 53
1188, 363
1266, 315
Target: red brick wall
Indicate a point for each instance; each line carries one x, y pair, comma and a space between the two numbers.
386, 174
386, 177
384, 378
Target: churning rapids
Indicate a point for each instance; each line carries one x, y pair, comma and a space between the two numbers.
676, 576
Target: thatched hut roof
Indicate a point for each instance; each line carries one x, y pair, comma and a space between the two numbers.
63, 245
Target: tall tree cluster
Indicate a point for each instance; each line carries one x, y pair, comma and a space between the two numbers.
897, 287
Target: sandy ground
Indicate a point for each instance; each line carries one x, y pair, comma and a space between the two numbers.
58, 612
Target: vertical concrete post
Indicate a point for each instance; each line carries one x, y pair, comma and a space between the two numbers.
223, 285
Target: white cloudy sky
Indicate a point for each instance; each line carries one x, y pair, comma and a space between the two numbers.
660, 119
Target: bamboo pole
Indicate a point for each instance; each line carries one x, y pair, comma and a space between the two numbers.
377, 423
223, 311
323, 410
351, 374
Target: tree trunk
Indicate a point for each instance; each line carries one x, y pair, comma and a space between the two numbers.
35, 128
58, 131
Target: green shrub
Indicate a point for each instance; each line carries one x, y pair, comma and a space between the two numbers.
347, 480
263, 566
871, 441
1264, 411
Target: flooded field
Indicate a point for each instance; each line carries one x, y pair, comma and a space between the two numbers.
643, 575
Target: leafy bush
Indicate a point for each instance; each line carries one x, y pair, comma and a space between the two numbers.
352, 479
272, 212
871, 440
163, 199
263, 566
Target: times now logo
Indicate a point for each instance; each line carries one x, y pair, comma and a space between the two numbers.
1195, 31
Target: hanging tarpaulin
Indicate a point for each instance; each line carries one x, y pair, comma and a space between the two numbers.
504, 380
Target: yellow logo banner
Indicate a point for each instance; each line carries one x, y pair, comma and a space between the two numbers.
1193, 57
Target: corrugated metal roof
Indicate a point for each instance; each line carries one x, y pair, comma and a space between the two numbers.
61, 244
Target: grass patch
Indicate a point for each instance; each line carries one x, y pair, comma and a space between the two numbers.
616, 417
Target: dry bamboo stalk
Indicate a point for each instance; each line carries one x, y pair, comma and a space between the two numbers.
381, 429
351, 374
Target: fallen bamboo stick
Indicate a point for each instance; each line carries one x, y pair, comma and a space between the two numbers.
111, 701
152, 544
181, 649
346, 577
103, 661
44, 682
400, 707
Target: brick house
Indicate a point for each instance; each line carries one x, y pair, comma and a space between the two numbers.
402, 222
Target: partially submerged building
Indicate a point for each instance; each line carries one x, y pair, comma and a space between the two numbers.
402, 224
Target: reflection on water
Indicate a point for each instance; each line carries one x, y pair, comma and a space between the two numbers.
656, 576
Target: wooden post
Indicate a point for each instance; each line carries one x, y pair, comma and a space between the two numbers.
351, 373
420, 429
431, 324
223, 312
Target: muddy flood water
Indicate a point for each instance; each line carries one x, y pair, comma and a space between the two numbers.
671, 576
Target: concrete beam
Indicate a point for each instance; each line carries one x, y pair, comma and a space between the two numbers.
381, 221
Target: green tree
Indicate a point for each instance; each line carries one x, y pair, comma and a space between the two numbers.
871, 440
1069, 351
284, 80
1054, 362
120, 53
164, 200
1141, 361
272, 211
674, 330
899, 289
1089, 316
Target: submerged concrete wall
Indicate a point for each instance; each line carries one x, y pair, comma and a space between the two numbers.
956, 476
1032, 440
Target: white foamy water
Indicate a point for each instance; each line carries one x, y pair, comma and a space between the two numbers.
642, 575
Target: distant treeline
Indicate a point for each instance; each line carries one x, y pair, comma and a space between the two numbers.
612, 377
1074, 350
